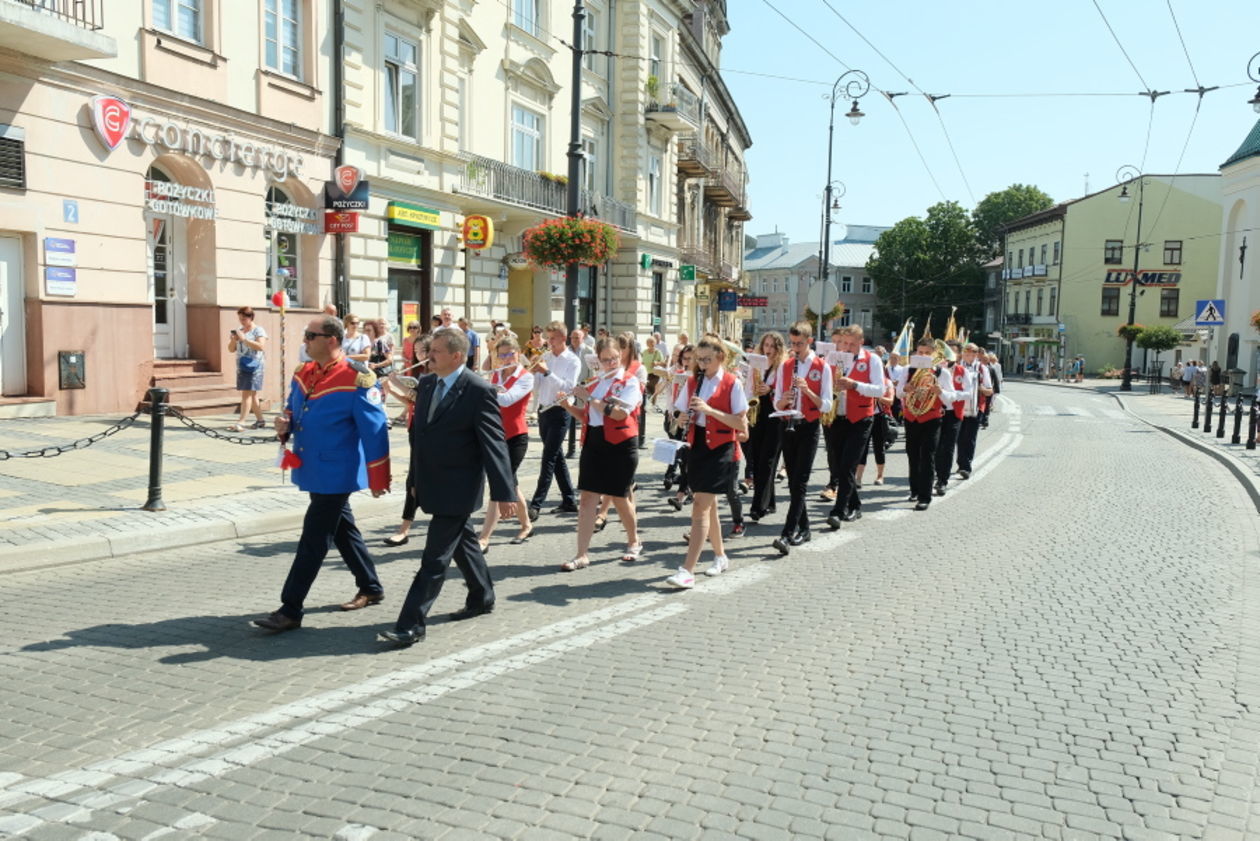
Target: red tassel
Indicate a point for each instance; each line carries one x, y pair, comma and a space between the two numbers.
290, 460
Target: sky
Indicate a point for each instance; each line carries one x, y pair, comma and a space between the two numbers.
995, 59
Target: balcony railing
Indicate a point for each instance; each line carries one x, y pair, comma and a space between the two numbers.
725, 188
520, 187
679, 111
694, 158
89, 14
1019, 318
701, 258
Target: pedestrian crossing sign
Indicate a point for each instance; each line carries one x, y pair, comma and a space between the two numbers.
1210, 313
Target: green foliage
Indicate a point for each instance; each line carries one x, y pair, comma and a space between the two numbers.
1130, 331
997, 209
1158, 338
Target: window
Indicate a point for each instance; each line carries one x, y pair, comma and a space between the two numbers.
774, 282
866, 285
590, 27
589, 157
654, 185
1043, 253
1113, 252
179, 17
525, 15
1041, 294
1111, 300
1056, 252
1054, 301
846, 284
1010, 304
845, 319
282, 28
1010, 259
402, 97
1027, 302
1021, 258
865, 317
527, 138
1169, 300
656, 57
1172, 252
12, 157
284, 222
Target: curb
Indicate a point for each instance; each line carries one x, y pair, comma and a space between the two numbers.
54, 553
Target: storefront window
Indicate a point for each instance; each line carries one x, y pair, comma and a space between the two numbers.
283, 261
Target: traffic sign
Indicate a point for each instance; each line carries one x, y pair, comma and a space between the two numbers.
1209, 313
822, 296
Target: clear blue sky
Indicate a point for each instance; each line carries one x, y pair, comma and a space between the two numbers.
981, 47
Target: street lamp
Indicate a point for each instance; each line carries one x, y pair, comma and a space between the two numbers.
1253, 73
1128, 174
856, 84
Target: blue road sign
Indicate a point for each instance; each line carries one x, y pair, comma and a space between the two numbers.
1209, 313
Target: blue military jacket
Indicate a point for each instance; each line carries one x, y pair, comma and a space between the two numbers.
339, 427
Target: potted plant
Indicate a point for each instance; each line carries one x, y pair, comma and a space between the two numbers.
653, 89
555, 243
1129, 332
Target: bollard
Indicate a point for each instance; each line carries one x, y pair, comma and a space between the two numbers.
1207, 411
1195, 423
1221, 418
157, 423
1237, 436
1251, 425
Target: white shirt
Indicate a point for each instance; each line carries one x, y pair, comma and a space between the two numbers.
359, 344
562, 375
977, 373
945, 380
520, 389
708, 385
802, 370
875, 388
629, 394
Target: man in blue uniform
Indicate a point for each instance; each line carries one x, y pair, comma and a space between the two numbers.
340, 445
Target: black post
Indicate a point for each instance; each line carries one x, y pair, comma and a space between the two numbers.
157, 424
1222, 419
1195, 423
1207, 409
1237, 436
1127, 383
573, 198
1251, 425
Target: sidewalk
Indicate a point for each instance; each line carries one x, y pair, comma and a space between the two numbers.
86, 504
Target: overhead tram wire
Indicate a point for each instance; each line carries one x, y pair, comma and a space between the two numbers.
1185, 50
1123, 51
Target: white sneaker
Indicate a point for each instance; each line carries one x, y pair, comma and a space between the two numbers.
682, 579
721, 564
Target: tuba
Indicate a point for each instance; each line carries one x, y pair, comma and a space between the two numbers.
923, 390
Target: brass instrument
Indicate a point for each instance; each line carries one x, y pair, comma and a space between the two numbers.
923, 390
754, 399
828, 417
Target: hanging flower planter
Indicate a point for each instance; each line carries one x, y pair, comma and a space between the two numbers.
1127, 331
556, 243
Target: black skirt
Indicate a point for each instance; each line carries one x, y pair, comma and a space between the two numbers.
517, 445
607, 469
711, 471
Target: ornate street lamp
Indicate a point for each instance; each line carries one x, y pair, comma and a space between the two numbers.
1253, 73
856, 83
1128, 174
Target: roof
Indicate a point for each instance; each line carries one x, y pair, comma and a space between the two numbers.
842, 254
1250, 147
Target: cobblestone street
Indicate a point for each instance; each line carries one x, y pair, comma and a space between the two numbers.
1066, 646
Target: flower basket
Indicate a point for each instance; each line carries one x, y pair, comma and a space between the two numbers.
558, 242
1129, 331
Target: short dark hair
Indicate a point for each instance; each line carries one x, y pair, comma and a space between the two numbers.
248, 312
454, 339
332, 326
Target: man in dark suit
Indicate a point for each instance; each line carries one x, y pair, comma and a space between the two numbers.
456, 444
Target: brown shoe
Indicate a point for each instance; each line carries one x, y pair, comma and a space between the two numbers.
362, 600
278, 622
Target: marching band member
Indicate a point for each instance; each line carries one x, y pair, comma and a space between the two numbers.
716, 407
803, 387
976, 405
951, 420
676, 427
610, 454
765, 437
830, 432
513, 386
630, 361
857, 389
556, 370
926, 394
879, 432
990, 361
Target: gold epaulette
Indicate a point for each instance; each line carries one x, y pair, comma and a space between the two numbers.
364, 379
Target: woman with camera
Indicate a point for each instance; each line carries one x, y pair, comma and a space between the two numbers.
248, 343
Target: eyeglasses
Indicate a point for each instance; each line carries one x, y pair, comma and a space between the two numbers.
352, 324
411, 329
507, 355
610, 360
308, 335
704, 360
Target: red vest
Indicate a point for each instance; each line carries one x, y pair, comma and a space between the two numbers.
958, 375
857, 406
937, 409
513, 416
616, 431
813, 378
716, 433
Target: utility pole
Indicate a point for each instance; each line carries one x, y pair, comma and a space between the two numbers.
573, 203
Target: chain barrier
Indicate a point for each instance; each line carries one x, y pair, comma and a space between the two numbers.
81, 444
214, 433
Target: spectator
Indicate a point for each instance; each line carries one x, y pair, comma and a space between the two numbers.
1187, 376
248, 343
653, 360
1215, 378
356, 345
474, 342
1174, 376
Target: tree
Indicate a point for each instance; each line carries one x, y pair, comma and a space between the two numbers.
997, 209
1159, 339
922, 267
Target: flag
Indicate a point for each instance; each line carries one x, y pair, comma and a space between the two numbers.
902, 347
927, 330
951, 328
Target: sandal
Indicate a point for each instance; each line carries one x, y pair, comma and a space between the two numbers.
632, 553
600, 522
236, 427
575, 564
675, 503
260, 424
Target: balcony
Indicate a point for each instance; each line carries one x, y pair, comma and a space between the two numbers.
701, 258
1019, 318
680, 111
694, 158
518, 187
56, 30
725, 188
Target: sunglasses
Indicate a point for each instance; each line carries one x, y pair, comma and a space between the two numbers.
308, 335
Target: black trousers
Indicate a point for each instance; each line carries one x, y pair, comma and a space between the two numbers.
968, 430
328, 522
765, 441
831, 440
552, 426
800, 445
448, 538
921, 441
945, 449
851, 438
879, 434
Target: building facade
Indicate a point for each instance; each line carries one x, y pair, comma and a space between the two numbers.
1069, 271
1239, 283
164, 164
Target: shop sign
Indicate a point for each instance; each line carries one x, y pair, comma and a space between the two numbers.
341, 222
348, 190
291, 219
658, 263
114, 121
60, 281
59, 252
183, 200
404, 248
516, 261
751, 301
413, 215
702, 292
687, 273
410, 312
478, 232
727, 301
645, 261
1121, 277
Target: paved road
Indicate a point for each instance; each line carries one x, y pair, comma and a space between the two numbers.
1064, 647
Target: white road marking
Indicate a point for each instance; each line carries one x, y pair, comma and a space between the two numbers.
193, 820
355, 832
828, 541
1076, 410
1045, 410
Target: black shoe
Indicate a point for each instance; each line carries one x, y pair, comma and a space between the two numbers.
402, 638
800, 537
939, 490
675, 503
565, 508
781, 544
669, 484
534, 511
755, 515
570, 454
965, 474
470, 613
743, 487
850, 516
912, 498
921, 506
395, 540
737, 530
833, 522
278, 622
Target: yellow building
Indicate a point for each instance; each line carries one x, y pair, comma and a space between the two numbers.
1070, 271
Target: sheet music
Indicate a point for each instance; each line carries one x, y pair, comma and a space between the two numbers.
824, 348
758, 362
